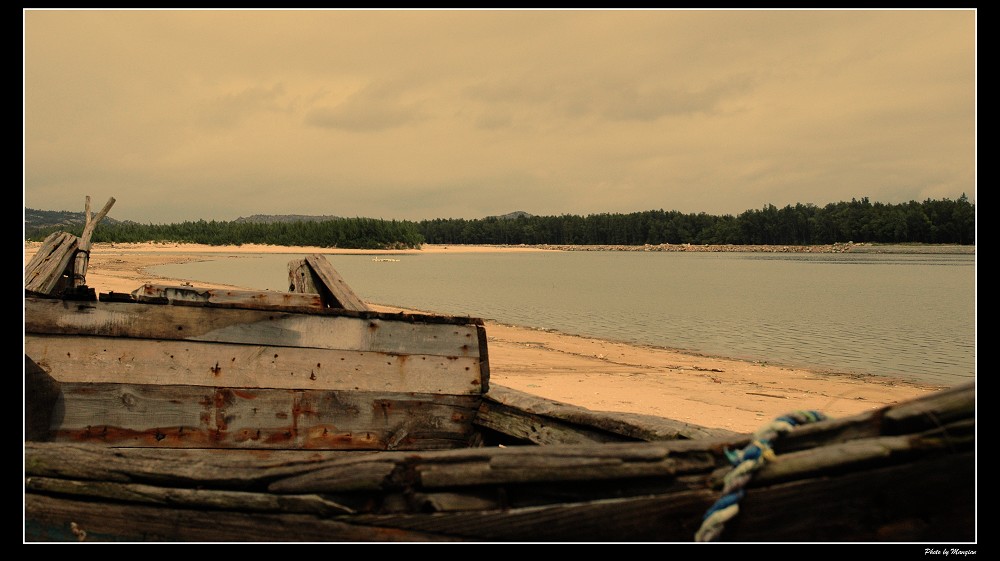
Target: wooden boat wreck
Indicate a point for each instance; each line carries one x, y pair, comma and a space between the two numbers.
175, 413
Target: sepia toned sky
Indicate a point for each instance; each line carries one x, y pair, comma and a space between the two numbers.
189, 114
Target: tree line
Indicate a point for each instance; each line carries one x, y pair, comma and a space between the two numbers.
941, 221
932, 221
356, 233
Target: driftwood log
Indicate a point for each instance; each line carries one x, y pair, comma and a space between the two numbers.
901, 473
45, 274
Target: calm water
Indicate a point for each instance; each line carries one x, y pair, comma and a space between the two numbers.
896, 315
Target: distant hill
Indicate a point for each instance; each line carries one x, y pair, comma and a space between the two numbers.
37, 219
512, 215
273, 218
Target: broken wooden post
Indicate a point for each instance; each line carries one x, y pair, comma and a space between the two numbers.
301, 278
82, 258
319, 277
334, 288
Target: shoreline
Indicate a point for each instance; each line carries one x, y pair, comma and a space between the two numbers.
601, 375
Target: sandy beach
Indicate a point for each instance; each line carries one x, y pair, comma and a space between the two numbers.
596, 374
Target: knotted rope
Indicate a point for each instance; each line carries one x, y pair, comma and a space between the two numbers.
746, 462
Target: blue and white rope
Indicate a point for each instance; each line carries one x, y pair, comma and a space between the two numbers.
746, 462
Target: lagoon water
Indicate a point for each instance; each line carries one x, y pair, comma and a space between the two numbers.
909, 316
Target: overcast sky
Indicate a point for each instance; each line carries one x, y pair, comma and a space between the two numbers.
187, 115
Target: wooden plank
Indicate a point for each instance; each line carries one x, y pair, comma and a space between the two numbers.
173, 416
225, 298
339, 291
657, 518
858, 454
45, 273
188, 498
281, 329
299, 472
58, 519
511, 423
934, 410
547, 469
300, 277
484, 357
204, 468
515, 465
70, 358
545, 421
924, 413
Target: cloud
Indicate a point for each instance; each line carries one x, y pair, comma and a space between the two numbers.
230, 109
377, 107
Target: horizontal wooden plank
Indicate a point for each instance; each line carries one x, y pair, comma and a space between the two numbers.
857, 454
49, 519
544, 421
556, 464
513, 423
227, 298
253, 327
173, 416
924, 413
188, 498
219, 468
69, 358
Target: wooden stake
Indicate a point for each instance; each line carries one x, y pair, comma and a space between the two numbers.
82, 258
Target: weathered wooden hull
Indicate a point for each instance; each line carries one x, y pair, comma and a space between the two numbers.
190, 376
904, 473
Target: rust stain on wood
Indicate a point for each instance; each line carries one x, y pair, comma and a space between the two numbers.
247, 435
158, 436
279, 437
